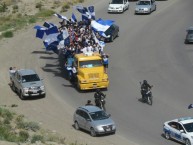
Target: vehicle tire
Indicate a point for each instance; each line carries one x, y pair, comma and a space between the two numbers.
186, 41
150, 100
76, 125
149, 11
117, 34
187, 142
13, 88
167, 135
112, 38
92, 132
21, 95
43, 96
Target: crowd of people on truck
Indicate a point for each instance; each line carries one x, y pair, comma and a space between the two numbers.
82, 39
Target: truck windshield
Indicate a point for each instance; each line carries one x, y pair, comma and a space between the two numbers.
30, 78
90, 63
117, 2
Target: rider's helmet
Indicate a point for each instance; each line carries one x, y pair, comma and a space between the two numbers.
144, 82
88, 101
98, 90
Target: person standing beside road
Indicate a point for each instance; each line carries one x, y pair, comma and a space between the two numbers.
105, 61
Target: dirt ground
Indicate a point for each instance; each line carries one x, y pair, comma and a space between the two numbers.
23, 51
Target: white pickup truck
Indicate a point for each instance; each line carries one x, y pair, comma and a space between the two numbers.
27, 83
118, 6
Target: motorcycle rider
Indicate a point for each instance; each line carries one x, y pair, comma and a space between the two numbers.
98, 97
145, 87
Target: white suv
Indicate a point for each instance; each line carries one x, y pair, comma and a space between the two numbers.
118, 6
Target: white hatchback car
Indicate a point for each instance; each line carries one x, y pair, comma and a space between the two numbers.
118, 6
179, 129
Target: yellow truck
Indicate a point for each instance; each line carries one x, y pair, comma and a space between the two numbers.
90, 71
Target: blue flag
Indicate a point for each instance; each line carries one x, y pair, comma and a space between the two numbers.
73, 18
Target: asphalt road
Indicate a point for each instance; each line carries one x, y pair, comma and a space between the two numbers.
149, 47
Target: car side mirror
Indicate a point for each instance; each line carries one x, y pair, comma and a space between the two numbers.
182, 131
88, 119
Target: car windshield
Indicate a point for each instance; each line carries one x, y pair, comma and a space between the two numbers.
117, 2
189, 127
90, 63
143, 3
30, 78
110, 30
99, 115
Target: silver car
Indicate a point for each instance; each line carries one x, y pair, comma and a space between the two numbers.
189, 36
145, 6
93, 120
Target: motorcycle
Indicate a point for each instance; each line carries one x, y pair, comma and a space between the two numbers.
147, 96
69, 72
101, 103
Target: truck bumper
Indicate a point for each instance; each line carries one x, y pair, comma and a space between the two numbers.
90, 86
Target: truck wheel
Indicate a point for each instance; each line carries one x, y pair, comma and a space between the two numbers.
21, 95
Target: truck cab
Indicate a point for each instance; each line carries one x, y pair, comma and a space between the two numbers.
90, 71
118, 6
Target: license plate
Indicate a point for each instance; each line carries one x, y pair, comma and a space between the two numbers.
108, 129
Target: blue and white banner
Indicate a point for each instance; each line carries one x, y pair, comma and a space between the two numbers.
40, 31
61, 17
190, 106
101, 26
91, 12
87, 13
48, 25
101, 43
73, 18
63, 35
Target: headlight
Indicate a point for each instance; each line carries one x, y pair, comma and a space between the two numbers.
99, 128
120, 7
25, 89
113, 127
42, 87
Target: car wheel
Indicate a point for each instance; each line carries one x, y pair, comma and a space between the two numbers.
112, 38
43, 96
150, 11
13, 88
187, 142
92, 132
186, 41
167, 135
76, 126
21, 96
